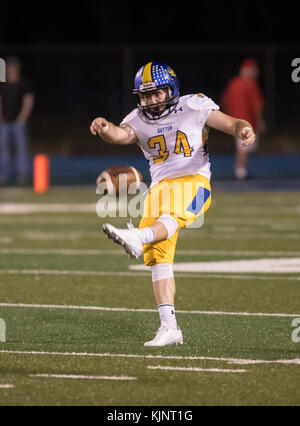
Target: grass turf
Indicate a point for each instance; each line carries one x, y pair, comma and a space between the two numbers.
49, 340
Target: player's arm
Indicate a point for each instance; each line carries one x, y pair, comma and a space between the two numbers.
121, 135
242, 129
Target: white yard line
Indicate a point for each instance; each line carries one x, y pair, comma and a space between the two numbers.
261, 361
209, 275
88, 308
72, 376
23, 208
69, 272
5, 240
242, 236
206, 370
64, 252
295, 361
116, 252
237, 253
146, 273
102, 308
280, 265
6, 386
59, 236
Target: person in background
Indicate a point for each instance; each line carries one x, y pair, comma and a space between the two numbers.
242, 98
16, 104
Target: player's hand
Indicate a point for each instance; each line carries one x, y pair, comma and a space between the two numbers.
98, 126
247, 135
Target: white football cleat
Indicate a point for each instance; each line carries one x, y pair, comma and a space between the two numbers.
166, 336
128, 238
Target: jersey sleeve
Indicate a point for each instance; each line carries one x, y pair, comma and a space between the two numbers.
204, 105
131, 119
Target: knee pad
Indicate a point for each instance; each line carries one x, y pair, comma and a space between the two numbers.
170, 223
161, 271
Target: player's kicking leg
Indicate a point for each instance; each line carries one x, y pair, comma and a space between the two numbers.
132, 240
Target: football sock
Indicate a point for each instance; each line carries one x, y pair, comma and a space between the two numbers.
147, 235
167, 315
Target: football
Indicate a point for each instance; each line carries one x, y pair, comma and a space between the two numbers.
118, 178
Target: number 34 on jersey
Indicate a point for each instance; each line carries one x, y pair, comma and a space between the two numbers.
182, 146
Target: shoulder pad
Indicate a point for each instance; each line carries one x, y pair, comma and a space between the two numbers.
133, 114
201, 102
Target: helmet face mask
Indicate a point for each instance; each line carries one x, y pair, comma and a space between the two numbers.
159, 108
151, 81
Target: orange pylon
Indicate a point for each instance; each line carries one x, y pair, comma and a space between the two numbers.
41, 173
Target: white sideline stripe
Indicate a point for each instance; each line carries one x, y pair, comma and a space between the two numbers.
16, 208
102, 308
266, 266
238, 252
20, 208
48, 236
5, 240
23, 208
206, 370
260, 361
72, 376
69, 272
95, 252
88, 308
146, 273
295, 361
66, 252
55, 236
244, 236
6, 386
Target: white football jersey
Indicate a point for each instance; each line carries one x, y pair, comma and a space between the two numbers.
176, 145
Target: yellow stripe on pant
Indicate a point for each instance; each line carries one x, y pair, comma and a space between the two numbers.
186, 199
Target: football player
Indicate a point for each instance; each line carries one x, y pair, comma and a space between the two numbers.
172, 132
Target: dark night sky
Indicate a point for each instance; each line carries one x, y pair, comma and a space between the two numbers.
110, 22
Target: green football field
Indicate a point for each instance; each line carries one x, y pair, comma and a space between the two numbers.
77, 313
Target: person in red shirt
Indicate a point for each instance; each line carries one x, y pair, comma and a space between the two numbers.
242, 98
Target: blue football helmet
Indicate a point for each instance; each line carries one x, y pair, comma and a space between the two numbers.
156, 76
